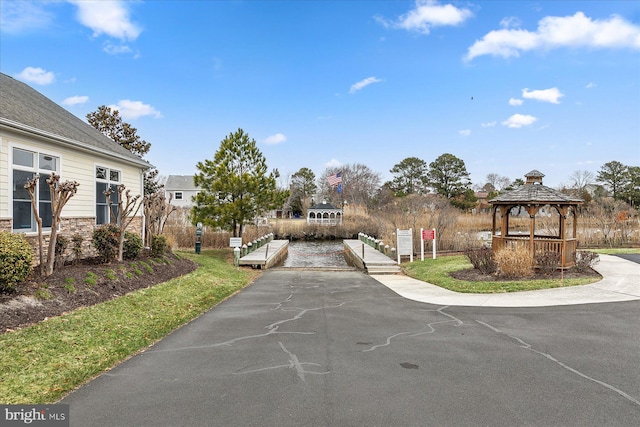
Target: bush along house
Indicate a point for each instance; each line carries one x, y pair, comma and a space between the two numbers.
38, 137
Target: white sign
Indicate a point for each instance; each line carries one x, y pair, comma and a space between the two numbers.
235, 242
405, 243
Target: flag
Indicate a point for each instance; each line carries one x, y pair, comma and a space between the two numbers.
334, 179
339, 188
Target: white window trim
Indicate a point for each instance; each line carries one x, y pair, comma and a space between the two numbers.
104, 181
10, 166
175, 195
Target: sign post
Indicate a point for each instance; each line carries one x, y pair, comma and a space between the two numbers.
405, 243
427, 235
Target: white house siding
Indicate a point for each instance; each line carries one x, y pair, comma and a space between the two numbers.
74, 165
186, 201
4, 181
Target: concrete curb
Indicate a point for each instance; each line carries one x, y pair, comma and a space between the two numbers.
621, 282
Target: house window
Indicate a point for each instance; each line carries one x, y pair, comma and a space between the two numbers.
25, 165
107, 178
177, 195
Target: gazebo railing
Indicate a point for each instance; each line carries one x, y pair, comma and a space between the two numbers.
541, 244
325, 221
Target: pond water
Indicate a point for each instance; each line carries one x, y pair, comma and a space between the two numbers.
317, 253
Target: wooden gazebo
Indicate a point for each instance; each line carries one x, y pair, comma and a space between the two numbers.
533, 196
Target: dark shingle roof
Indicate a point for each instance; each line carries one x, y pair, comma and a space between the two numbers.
324, 206
23, 108
180, 182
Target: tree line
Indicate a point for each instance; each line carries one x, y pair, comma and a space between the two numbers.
236, 185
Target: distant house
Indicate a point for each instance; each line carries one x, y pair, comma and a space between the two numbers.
482, 205
37, 136
181, 188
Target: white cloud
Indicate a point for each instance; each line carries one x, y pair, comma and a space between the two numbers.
37, 76
333, 163
515, 102
518, 120
464, 132
75, 100
114, 49
275, 139
428, 14
552, 95
110, 17
363, 83
134, 109
488, 124
556, 32
590, 85
510, 22
22, 16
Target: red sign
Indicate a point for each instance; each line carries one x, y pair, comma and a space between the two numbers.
428, 234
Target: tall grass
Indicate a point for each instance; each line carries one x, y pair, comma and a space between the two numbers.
455, 231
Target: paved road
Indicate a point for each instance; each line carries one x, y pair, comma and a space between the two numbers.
631, 257
340, 349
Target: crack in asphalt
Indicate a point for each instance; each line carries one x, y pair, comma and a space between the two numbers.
529, 347
294, 363
430, 330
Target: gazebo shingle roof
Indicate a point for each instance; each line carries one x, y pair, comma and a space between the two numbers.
535, 193
532, 193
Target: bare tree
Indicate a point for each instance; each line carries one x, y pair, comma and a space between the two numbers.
498, 182
60, 195
359, 185
30, 186
157, 210
126, 212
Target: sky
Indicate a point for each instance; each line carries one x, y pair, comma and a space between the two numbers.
506, 86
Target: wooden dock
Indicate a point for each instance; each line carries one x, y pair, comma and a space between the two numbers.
357, 253
366, 257
267, 256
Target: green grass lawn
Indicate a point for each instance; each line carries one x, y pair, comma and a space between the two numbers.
43, 362
437, 272
614, 251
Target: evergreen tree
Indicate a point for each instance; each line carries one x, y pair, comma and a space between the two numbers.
448, 176
410, 177
615, 176
235, 185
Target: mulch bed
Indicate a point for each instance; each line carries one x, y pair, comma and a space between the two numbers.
66, 288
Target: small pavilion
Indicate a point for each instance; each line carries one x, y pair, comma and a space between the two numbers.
324, 213
532, 197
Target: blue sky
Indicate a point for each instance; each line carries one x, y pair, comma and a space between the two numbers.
507, 86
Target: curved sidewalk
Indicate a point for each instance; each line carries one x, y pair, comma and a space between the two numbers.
621, 282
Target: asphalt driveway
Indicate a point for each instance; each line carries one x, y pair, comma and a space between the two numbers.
309, 348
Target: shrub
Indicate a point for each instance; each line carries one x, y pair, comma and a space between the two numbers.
548, 262
132, 245
16, 258
586, 260
158, 245
105, 240
482, 259
77, 247
514, 262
